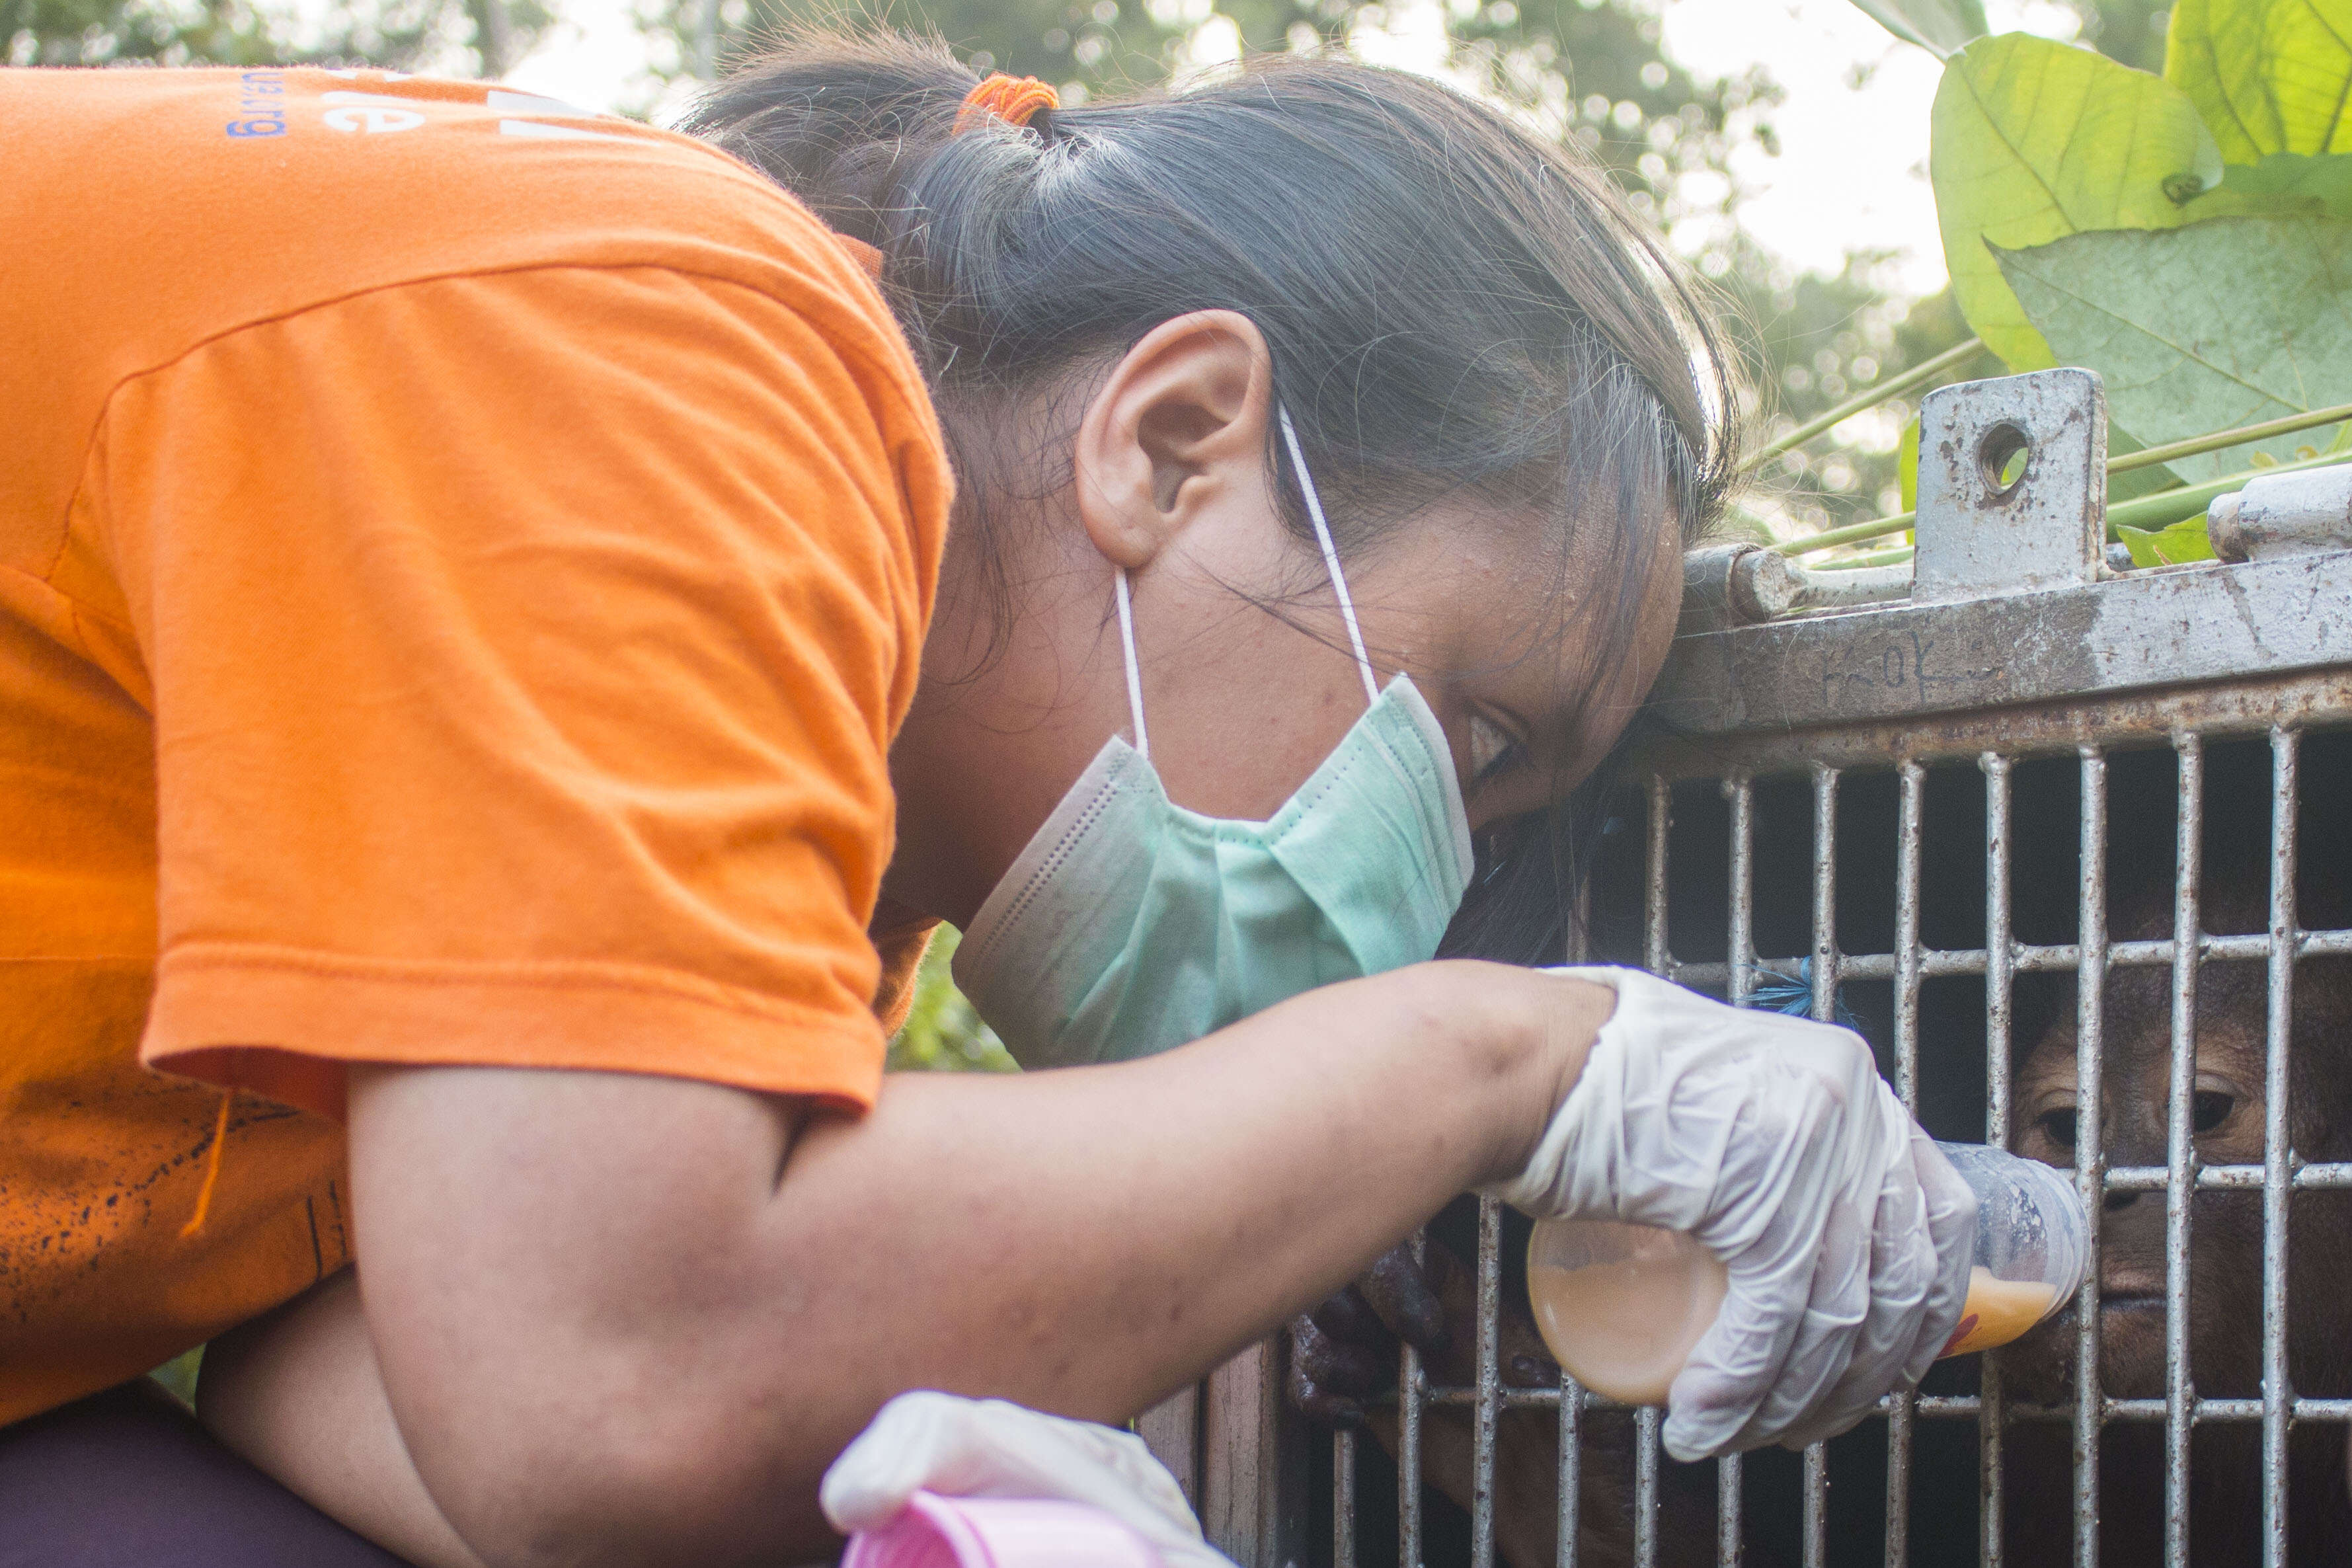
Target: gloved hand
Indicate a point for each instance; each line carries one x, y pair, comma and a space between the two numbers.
1774, 1142
987, 1447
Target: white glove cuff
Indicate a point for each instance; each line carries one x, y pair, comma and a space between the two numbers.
1595, 1106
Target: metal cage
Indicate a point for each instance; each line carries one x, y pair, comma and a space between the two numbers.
1860, 757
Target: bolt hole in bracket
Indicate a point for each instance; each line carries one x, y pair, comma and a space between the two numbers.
2002, 458
2007, 505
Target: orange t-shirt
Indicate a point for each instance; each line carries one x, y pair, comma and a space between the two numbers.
462, 565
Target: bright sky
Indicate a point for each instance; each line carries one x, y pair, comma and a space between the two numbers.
1853, 170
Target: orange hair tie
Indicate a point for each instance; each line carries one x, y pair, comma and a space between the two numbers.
1012, 99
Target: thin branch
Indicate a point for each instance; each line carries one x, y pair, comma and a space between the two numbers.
1917, 376
2156, 511
2220, 439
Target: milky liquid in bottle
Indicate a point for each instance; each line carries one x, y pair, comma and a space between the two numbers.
1621, 1305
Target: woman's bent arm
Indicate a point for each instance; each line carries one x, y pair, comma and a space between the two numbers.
630, 1320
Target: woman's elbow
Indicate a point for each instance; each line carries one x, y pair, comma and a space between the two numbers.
612, 1458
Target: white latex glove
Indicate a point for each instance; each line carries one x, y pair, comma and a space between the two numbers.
1774, 1142
987, 1447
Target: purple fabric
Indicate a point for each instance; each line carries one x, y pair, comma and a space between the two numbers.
126, 1478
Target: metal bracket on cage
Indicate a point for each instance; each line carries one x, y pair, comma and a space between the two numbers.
2012, 500
2012, 487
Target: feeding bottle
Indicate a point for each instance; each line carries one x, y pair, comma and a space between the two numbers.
1622, 1305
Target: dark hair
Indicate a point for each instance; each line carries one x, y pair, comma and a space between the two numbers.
1453, 306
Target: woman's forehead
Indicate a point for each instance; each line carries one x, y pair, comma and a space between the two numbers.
1564, 632
1527, 589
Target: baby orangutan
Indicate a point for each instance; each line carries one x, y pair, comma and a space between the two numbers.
2225, 1275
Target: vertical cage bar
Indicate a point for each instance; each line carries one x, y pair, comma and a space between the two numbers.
1571, 1501
2090, 1146
1741, 987
1728, 1545
1648, 1422
1656, 958
1410, 1392
2179, 1147
1825, 951
2277, 1396
1343, 1498
1571, 1469
1817, 1506
1909, 831
1740, 954
2000, 976
1488, 1408
1825, 984
1654, 890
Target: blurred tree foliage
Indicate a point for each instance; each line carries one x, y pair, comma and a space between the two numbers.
1593, 73
179, 1375
942, 1032
483, 37
103, 32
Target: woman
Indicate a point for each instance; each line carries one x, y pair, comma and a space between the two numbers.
503, 696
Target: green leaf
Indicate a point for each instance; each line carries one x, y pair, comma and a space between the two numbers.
943, 1033
2315, 184
2033, 141
1942, 28
2184, 541
2269, 75
2203, 328
178, 1375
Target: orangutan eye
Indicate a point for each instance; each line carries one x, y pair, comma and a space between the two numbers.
1492, 748
2058, 1126
2209, 1108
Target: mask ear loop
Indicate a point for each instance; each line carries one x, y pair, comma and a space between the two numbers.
1134, 674
1330, 565
1330, 558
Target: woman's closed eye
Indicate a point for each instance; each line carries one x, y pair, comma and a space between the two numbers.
1493, 749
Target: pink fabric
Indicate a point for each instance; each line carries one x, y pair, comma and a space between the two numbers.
999, 1532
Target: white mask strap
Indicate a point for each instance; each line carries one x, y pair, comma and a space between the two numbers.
1330, 565
1330, 560
1134, 674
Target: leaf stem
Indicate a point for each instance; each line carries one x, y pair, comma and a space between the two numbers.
2167, 506
1862, 403
2149, 512
1852, 533
1894, 557
2195, 444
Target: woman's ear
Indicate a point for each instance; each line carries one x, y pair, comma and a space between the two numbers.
1176, 430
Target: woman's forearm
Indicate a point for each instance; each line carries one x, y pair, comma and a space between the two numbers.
626, 1320
1111, 1231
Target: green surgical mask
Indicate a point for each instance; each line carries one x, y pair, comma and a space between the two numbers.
1129, 924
